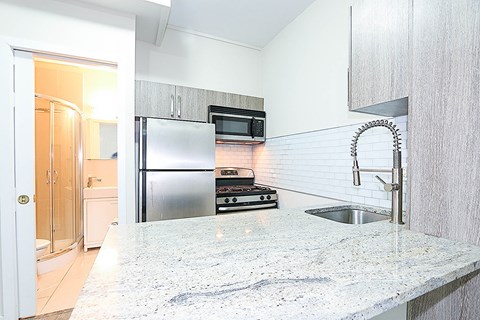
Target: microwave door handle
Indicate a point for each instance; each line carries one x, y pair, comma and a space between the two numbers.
252, 130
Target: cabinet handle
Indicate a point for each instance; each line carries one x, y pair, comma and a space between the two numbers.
55, 176
348, 87
179, 107
47, 176
349, 70
172, 105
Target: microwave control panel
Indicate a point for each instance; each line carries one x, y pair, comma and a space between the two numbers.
258, 128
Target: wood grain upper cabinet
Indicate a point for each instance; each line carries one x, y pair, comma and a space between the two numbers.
190, 104
216, 98
234, 100
167, 101
379, 53
154, 99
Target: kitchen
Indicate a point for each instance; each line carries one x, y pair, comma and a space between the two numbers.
314, 81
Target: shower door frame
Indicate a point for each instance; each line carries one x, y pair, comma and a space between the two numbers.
76, 156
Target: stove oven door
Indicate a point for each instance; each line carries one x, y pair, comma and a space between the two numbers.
228, 204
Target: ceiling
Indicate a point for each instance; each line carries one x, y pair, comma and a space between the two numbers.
251, 22
151, 15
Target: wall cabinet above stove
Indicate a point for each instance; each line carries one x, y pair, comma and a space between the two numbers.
379, 55
217, 98
159, 100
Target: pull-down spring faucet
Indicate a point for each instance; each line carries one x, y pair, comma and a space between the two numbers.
395, 187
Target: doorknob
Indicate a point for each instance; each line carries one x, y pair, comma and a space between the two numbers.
23, 199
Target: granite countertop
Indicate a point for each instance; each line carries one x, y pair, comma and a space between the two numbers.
271, 264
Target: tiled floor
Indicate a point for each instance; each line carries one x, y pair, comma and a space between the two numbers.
59, 290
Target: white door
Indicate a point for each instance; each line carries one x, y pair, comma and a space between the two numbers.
8, 258
25, 181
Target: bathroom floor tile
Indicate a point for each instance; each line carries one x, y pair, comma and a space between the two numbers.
65, 293
51, 278
41, 302
46, 292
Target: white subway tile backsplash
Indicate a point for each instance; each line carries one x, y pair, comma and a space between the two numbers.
319, 162
231, 155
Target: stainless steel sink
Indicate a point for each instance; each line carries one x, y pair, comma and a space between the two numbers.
348, 215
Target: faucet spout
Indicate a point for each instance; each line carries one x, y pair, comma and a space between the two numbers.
397, 172
91, 179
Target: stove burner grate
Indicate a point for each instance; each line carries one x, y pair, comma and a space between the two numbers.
233, 189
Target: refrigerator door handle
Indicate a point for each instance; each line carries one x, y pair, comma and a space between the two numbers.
142, 177
179, 107
143, 144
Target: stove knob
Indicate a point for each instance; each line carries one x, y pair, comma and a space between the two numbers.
262, 198
269, 197
227, 200
234, 200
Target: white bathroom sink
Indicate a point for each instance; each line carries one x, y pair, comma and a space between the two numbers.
100, 192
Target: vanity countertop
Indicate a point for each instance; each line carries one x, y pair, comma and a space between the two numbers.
270, 264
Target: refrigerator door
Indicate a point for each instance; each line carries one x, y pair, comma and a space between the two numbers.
178, 145
177, 194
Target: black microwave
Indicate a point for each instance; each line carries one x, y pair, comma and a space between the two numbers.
236, 125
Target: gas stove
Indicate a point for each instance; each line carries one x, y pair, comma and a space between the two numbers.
236, 191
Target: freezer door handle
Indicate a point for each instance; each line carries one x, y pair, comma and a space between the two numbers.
179, 106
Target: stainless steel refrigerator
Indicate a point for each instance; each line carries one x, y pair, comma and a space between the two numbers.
176, 162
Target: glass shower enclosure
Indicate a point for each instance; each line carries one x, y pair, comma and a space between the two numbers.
58, 166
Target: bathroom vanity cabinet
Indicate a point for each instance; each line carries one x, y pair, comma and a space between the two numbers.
99, 215
379, 57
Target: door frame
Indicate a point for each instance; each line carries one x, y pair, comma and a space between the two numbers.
24, 139
8, 253
125, 64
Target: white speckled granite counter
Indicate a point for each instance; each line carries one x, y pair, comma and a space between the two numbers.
272, 264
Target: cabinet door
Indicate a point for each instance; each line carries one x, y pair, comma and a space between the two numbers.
216, 98
444, 161
100, 213
154, 99
190, 104
233, 100
252, 103
379, 55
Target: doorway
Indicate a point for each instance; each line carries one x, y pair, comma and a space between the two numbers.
68, 95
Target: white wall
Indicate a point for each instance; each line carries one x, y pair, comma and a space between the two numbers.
305, 72
80, 31
196, 61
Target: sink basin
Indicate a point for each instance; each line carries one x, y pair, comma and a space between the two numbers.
100, 192
348, 215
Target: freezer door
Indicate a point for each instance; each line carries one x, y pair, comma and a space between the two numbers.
178, 145
175, 195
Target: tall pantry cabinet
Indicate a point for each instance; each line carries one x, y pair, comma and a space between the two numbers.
444, 150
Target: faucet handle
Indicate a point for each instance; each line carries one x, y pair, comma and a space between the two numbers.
389, 187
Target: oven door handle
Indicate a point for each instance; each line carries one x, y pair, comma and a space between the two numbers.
258, 206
